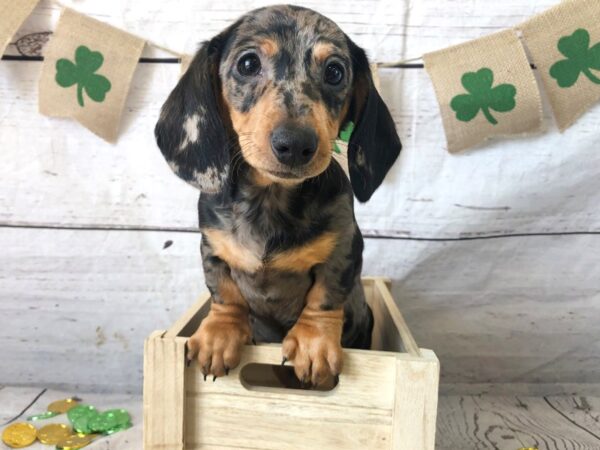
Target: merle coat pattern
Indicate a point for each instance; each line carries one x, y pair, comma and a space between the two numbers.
251, 124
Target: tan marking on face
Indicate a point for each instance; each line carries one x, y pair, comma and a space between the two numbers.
269, 47
301, 259
226, 247
254, 129
327, 129
322, 51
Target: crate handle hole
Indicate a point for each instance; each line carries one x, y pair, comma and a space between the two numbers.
255, 376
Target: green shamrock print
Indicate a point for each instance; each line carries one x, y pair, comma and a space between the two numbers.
482, 96
82, 73
580, 59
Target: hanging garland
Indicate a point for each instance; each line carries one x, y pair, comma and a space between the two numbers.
485, 88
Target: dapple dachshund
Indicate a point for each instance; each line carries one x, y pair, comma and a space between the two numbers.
252, 124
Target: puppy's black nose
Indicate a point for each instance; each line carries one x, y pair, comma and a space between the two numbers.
294, 145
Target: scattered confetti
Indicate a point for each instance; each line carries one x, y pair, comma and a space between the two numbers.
88, 423
43, 416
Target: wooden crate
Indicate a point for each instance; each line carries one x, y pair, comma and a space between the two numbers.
386, 397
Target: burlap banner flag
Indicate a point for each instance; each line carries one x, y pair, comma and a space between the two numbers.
12, 15
564, 43
485, 88
87, 72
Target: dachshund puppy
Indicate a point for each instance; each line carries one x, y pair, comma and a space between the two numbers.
252, 125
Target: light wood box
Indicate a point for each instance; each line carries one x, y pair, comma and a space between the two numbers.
386, 398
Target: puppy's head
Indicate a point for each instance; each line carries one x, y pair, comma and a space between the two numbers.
275, 88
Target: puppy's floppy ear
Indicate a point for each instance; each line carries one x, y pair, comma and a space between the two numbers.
194, 132
374, 144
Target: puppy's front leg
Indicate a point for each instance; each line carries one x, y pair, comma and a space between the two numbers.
314, 342
218, 342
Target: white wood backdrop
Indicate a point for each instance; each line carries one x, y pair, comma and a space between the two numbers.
84, 276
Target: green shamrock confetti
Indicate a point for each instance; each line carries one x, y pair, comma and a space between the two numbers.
82, 73
580, 59
80, 417
482, 96
43, 416
345, 135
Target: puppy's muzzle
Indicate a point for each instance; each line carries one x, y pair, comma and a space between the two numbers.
294, 145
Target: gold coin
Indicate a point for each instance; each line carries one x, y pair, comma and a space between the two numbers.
19, 435
54, 433
75, 441
62, 406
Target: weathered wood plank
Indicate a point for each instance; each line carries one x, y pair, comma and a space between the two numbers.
498, 311
88, 299
80, 304
14, 401
523, 389
583, 412
506, 423
519, 310
81, 180
428, 193
390, 29
464, 422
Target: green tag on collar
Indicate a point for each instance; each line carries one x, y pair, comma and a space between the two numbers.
345, 135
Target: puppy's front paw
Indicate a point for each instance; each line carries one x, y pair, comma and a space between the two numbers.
219, 341
313, 345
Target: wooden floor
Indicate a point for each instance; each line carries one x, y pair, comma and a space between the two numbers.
464, 422
509, 423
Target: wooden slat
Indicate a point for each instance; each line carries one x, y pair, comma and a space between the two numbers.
280, 424
164, 393
407, 338
82, 181
389, 29
99, 294
87, 300
506, 423
416, 403
359, 382
581, 411
496, 311
14, 401
355, 414
428, 192
465, 422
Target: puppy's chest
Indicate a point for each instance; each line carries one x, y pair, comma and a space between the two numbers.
250, 248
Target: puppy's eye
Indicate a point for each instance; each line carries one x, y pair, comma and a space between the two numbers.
334, 74
249, 65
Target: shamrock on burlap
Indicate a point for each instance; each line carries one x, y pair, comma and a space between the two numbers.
564, 43
87, 72
483, 96
580, 59
82, 73
485, 88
